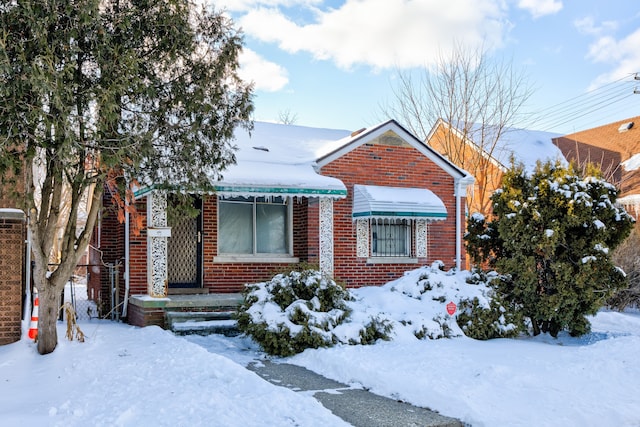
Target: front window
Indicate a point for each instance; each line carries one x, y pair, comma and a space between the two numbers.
253, 225
390, 237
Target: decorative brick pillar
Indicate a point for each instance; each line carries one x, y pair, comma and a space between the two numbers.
12, 236
157, 235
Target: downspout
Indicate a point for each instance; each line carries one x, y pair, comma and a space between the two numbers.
461, 186
27, 278
125, 303
458, 226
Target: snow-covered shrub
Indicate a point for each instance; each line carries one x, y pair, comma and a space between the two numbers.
377, 328
487, 316
551, 236
300, 310
423, 294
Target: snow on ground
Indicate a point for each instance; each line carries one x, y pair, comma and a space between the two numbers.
126, 376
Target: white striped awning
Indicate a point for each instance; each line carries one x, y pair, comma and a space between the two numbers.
372, 201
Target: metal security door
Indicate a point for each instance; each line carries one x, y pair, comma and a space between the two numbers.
185, 251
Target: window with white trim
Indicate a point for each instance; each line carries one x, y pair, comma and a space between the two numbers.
390, 237
254, 226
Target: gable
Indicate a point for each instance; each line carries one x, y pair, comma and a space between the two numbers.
522, 145
391, 134
390, 139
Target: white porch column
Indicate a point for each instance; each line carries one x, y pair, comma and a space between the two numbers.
157, 234
326, 235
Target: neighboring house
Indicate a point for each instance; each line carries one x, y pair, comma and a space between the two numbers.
363, 206
12, 265
615, 147
487, 155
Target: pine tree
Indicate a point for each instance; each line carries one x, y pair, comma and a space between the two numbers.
551, 238
103, 91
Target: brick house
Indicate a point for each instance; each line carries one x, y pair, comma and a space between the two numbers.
488, 156
615, 147
12, 263
363, 206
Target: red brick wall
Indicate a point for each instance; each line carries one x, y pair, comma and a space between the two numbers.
147, 316
218, 277
12, 237
231, 277
107, 248
367, 165
394, 166
138, 254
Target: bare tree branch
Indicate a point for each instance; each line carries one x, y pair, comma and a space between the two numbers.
466, 103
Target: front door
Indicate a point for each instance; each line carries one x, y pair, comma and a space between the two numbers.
185, 251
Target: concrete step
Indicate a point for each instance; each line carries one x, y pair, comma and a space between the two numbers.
202, 322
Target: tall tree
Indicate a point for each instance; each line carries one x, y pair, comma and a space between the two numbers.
115, 92
476, 99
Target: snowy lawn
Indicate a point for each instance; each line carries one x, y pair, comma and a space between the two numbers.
126, 376
588, 381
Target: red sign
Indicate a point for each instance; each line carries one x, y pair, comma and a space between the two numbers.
451, 308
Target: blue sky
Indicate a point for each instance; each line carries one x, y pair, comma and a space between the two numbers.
333, 63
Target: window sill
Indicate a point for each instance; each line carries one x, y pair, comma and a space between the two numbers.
255, 259
391, 260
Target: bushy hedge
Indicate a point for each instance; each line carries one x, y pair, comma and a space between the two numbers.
551, 238
300, 310
489, 317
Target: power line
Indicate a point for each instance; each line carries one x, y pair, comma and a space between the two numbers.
615, 96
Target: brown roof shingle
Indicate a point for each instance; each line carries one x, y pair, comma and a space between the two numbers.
608, 146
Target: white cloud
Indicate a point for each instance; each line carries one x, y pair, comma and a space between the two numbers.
266, 75
623, 55
245, 5
538, 8
587, 26
382, 33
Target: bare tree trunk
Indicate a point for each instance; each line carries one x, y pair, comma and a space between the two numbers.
48, 317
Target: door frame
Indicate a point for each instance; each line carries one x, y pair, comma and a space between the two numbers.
197, 204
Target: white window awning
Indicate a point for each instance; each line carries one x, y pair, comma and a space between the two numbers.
263, 179
278, 179
371, 201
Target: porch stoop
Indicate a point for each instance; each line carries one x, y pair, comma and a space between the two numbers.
202, 322
187, 314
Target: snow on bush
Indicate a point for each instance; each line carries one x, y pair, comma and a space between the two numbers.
300, 310
416, 305
305, 309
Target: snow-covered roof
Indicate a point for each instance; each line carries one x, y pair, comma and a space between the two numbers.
633, 163
11, 213
524, 145
286, 144
527, 147
277, 159
372, 201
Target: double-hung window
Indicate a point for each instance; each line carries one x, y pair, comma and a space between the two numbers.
254, 226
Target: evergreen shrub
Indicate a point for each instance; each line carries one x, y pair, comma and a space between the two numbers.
299, 310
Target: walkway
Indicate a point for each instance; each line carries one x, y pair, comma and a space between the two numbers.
358, 407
